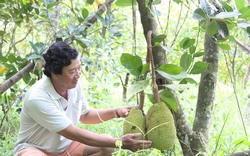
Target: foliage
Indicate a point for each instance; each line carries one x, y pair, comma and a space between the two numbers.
30, 26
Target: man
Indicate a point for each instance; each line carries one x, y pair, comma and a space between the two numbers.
54, 105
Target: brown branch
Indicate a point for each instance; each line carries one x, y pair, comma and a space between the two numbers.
11, 81
149, 48
125, 86
100, 11
243, 46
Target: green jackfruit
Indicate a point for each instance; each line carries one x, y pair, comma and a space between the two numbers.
135, 122
160, 126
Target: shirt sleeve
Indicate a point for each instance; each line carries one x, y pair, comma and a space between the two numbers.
85, 106
45, 113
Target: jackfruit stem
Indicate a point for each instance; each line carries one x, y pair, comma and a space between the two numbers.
142, 98
149, 48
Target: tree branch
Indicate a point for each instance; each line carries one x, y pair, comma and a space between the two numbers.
15, 78
100, 11
11, 81
243, 46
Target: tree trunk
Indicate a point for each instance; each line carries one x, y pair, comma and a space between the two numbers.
149, 23
159, 55
206, 94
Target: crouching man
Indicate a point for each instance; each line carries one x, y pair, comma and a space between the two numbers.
54, 105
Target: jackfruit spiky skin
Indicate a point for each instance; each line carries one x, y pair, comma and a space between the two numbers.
135, 122
160, 126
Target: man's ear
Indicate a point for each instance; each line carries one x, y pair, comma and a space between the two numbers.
53, 75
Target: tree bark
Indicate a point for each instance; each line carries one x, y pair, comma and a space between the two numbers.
206, 94
149, 23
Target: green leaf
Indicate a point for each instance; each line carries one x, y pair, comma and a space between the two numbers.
155, 2
18, 20
27, 78
192, 49
178, 87
159, 38
170, 69
137, 87
113, 30
248, 30
186, 42
168, 49
90, 2
81, 43
183, 41
239, 4
124, 3
199, 14
222, 29
198, 54
185, 61
25, 1
51, 5
167, 97
179, 77
11, 58
245, 12
227, 7
177, 1
132, 63
38, 48
241, 141
145, 68
188, 80
224, 46
199, 67
243, 25
33, 56
33, 47
212, 28
109, 18
85, 13
206, 7
2, 32
224, 15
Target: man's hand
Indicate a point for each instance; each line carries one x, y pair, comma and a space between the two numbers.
129, 142
124, 111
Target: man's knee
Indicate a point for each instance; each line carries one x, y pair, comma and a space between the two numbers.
31, 151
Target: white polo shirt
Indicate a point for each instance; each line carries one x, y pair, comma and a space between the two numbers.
45, 112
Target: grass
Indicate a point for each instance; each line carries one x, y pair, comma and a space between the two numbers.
227, 133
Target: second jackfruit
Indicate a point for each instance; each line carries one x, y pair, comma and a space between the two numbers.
160, 126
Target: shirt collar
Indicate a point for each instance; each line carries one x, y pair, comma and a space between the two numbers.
49, 88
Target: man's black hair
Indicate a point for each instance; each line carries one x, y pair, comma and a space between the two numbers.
58, 56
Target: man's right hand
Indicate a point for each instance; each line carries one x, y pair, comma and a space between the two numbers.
129, 142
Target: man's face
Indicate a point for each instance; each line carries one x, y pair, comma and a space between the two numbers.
70, 75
